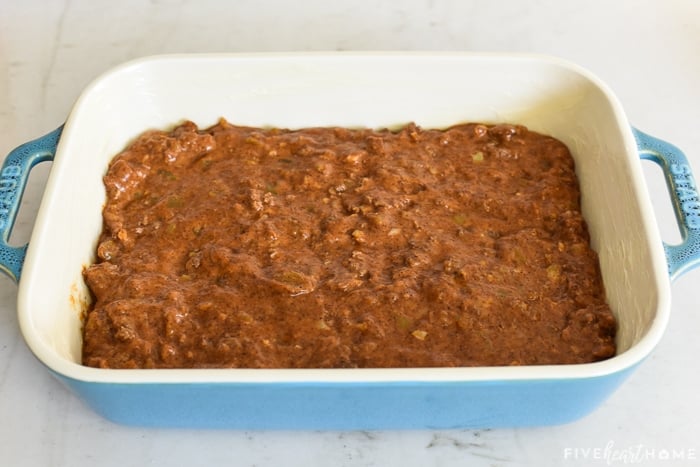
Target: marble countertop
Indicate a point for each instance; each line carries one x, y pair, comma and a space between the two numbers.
645, 50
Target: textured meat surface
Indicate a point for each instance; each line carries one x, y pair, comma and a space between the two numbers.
328, 247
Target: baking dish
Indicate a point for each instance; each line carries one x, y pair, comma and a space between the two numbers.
348, 89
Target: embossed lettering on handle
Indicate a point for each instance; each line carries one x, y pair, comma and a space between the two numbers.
687, 192
8, 189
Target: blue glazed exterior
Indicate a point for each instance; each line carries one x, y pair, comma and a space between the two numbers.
349, 406
13, 179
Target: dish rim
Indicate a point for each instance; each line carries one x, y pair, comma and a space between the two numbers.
626, 359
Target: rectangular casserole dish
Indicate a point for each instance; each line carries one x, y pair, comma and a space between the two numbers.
370, 90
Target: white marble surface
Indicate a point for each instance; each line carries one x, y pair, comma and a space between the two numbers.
647, 51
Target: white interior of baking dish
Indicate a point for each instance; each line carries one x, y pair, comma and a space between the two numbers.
371, 90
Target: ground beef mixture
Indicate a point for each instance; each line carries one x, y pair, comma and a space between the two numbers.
330, 247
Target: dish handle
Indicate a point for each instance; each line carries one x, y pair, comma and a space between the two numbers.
13, 179
684, 196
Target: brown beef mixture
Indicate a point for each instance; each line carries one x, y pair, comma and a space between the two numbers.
331, 247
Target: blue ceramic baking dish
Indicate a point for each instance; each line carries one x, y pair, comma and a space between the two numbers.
350, 89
